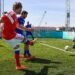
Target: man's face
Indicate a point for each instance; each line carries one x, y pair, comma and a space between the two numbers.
24, 15
18, 11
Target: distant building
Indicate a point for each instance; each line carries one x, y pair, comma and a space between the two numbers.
53, 28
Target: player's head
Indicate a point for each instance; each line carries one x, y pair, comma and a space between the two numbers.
24, 14
27, 22
17, 7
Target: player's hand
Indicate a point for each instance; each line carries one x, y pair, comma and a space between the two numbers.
30, 29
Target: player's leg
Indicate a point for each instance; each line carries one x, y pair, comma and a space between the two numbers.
15, 45
27, 53
32, 36
17, 58
26, 36
26, 50
19, 38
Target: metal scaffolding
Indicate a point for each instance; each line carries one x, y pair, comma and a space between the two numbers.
1, 7
67, 24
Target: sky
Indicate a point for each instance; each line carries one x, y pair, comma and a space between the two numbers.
55, 15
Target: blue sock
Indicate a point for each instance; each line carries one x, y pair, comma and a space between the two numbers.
25, 51
26, 41
16, 51
28, 53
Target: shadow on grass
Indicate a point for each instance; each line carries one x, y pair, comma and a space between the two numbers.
43, 71
60, 74
44, 61
72, 55
2, 46
56, 62
40, 60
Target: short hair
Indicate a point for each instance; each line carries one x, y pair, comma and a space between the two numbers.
17, 5
4, 12
24, 12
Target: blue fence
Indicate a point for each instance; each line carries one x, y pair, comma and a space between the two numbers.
48, 34
55, 34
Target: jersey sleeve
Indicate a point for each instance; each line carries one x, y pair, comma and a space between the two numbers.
16, 21
4, 19
19, 20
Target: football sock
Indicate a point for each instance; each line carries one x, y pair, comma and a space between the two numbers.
17, 58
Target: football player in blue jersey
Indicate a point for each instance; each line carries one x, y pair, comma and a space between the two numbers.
21, 21
29, 32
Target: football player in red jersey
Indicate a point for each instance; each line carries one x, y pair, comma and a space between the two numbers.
9, 35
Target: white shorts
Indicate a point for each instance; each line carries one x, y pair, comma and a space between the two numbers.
15, 41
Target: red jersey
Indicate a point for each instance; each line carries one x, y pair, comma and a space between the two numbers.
9, 25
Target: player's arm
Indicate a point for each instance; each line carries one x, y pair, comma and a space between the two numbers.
24, 28
0, 20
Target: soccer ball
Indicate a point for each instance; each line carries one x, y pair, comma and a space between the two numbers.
67, 47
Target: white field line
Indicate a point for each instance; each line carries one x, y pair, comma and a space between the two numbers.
47, 45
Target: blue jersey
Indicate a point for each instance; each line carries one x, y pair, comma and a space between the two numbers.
21, 22
28, 26
28, 32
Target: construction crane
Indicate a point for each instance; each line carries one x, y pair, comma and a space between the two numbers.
67, 24
42, 18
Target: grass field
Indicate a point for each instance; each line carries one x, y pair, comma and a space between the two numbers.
48, 60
